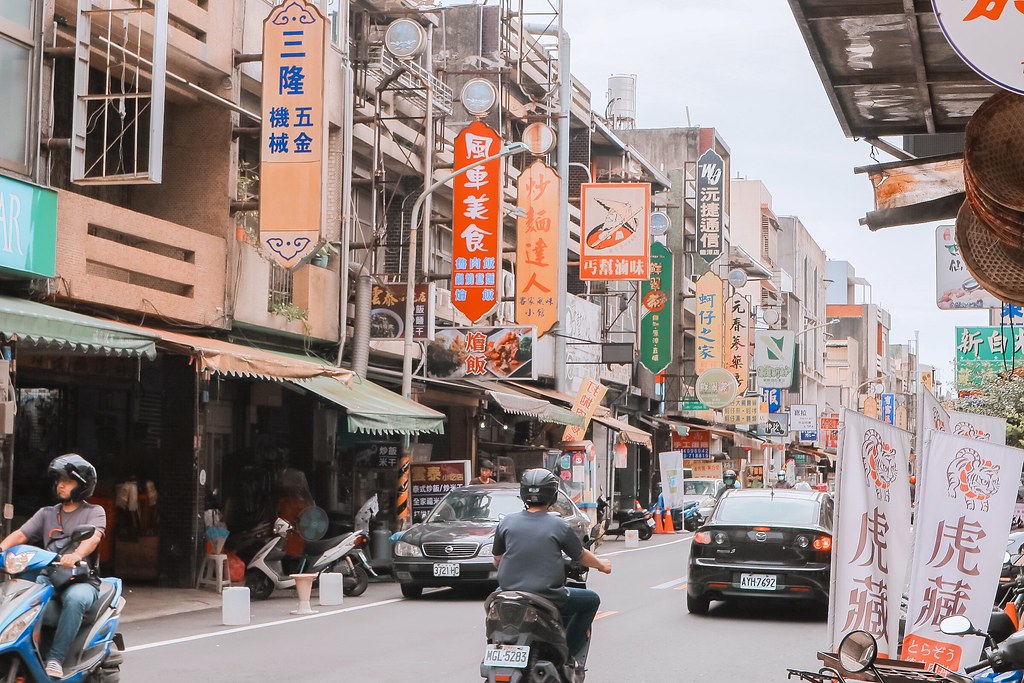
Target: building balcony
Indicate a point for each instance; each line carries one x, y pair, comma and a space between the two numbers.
303, 302
122, 259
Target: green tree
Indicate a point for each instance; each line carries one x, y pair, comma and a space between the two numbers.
999, 397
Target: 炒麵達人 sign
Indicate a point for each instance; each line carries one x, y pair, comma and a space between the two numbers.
538, 249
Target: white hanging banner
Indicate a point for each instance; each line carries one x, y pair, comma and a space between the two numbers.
871, 534
980, 427
965, 505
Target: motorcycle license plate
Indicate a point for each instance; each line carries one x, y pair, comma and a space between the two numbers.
446, 569
650, 522
514, 656
758, 582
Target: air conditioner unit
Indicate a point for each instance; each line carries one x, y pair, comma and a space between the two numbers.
443, 309
507, 309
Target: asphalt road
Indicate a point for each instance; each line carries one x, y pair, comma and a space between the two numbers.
643, 634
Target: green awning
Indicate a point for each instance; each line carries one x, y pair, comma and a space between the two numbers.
47, 328
372, 409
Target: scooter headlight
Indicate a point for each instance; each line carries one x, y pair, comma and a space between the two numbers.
15, 563
403, 549
18, 626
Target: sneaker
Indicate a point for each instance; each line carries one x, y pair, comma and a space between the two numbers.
54, 669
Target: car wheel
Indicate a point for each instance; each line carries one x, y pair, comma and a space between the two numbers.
411, 590
645, 533
699, 605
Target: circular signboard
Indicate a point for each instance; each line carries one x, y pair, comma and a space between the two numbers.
478, 96
405, 38
660, 223
539, 138
737, 278
987, 36
716, 388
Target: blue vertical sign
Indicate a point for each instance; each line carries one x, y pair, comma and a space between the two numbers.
889, 408
773, 397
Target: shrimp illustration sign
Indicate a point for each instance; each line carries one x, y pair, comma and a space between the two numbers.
615, 243
986, 34
710, 204
710, 349
537, 249
872, 530
294, 133
476, 224
966, 491
656, 311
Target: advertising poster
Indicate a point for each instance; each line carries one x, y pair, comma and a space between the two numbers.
872, 531
431, 481
829, 430
476, 222
656, 296
293, 135
482, 352
711, 179
965, 504
744, 410
710, 326
537, 248
803, 418
955, 288
984, 352
615, 242
696, 445
671, 463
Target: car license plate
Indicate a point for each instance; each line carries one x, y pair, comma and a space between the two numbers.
513, 656
758, 582
446, 569
650, 522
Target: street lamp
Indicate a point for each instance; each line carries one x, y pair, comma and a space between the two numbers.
833, 321
410, 285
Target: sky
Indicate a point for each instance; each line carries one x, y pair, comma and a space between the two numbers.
741, 66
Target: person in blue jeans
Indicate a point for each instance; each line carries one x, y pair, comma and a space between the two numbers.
528, 549
50, 527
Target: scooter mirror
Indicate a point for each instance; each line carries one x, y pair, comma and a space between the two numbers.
956, 626
857, 651
82, 532
1006, 558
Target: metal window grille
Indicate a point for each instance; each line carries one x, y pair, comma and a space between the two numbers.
280, 290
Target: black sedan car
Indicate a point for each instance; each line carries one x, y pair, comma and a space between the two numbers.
762, 543
452, 547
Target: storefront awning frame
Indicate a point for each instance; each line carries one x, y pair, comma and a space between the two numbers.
373, 409
49, 329
628, 432
518, 403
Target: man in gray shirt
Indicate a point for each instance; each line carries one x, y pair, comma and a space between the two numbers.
50, 527
528, 549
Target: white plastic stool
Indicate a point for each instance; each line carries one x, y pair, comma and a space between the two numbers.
215, 573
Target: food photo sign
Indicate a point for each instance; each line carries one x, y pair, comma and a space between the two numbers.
483, 353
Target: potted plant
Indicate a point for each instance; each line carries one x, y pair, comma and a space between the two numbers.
320, 258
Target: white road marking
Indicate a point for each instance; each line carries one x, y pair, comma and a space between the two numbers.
646, 547
669, 584
253, 627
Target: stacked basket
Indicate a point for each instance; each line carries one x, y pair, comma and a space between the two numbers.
990, 224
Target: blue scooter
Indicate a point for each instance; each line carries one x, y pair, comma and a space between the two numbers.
96, 653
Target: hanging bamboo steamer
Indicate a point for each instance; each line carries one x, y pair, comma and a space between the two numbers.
1010, 231
994, 150
997, 267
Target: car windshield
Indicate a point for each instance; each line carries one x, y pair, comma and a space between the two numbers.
698, 488
767, 510
476, 506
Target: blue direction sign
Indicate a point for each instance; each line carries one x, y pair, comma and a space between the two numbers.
773, 397
809, 436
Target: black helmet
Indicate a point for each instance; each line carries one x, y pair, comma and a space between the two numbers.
729, 473
76, 468
487, 465
538, 487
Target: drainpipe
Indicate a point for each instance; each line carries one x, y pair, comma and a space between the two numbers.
346, 180
361, 340
428, 157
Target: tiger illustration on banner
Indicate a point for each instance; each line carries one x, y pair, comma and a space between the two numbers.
973, 477
879, 460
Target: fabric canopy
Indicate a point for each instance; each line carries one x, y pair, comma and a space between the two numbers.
520, 404
628, 431
372, 409
54, 329
216, 356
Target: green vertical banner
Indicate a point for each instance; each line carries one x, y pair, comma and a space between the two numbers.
656, 300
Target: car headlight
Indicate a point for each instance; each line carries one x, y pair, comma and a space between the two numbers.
486, 550
15, 563
405, 549
18, 626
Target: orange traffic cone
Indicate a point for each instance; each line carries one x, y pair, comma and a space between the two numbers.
659, 528
667, 523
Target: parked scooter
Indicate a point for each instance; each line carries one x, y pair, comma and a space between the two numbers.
526, 638
265, 573
640, 520
692, 519
96, 653
997, 658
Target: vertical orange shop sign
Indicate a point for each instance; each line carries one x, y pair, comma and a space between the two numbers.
538, 249
294, 132
476, 222
587, 400
709, 327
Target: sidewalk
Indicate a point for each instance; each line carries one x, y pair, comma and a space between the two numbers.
151, 602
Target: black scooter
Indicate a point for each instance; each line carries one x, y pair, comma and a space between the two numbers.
640, 520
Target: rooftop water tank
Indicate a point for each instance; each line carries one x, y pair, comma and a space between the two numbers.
621, 109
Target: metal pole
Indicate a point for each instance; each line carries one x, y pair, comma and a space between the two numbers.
565, 104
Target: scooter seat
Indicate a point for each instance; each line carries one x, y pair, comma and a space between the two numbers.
106, 598
324, 544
